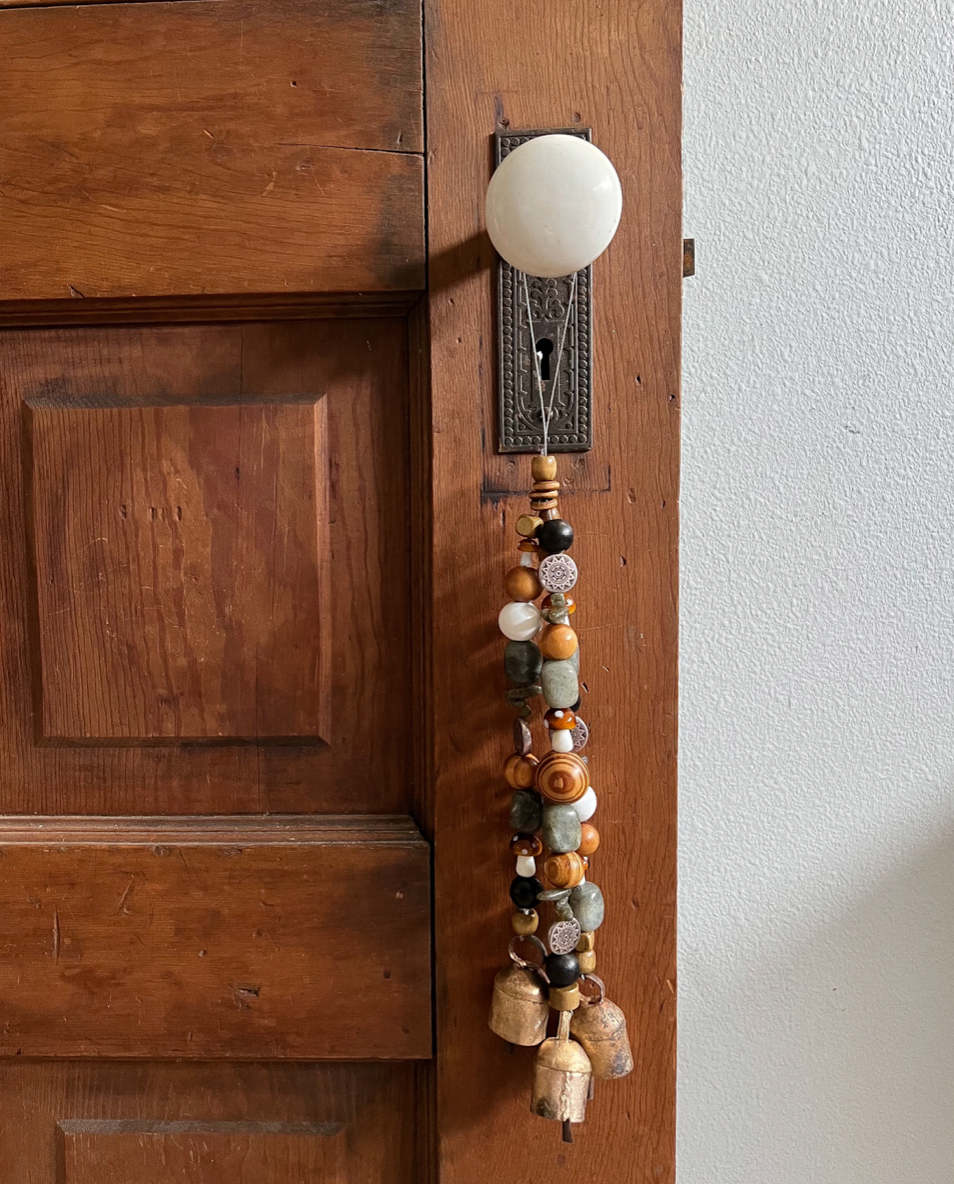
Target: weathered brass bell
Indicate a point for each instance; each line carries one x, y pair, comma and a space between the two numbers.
519, 1008
600, 1027
561, 1077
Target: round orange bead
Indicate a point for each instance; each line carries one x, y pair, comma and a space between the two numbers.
564, 871
523, 583
591, 839
560, 718
562, 777
520, 771
558, 642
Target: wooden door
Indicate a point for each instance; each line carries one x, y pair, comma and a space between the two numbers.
253, 843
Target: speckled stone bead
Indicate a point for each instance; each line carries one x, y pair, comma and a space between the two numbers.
523, 662
561, 687
561, 828
586, 901
526, 811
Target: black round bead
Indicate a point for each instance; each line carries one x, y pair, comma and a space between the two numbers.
562, 969
524, 891
555, 535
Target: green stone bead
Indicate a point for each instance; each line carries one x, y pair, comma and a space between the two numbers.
526, 812
562, 829
522, 662
561, 687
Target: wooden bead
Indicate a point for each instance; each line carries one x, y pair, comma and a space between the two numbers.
591, 839
543, 468
524, 924
565, 871
587, 962
525, 845
569, 604
562, 777
523, 583
528, 547
520, 770
565, 998
528, 525
556, 641
586, 943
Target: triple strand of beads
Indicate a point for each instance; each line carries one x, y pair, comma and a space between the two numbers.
553, 800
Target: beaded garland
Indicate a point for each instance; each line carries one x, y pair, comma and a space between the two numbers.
552, 804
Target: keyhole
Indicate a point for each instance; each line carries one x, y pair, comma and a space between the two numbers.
544, 348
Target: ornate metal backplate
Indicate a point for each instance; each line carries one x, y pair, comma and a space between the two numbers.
520, 416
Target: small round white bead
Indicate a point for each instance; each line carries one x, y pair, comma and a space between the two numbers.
520, 621
586, 805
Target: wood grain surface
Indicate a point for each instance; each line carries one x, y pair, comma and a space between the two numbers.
219, 147
153, 941
615, 67
358, 373
86, 1117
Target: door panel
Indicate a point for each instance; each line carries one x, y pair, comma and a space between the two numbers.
183, 623
83, 1122
224, 146
215, 937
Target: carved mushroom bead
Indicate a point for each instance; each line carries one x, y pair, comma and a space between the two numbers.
562, 777
560, 717
520, 771
526, 845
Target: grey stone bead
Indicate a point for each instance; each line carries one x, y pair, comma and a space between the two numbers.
574, 660
586, 901
522, 662
562, 830
561, 687
526, 812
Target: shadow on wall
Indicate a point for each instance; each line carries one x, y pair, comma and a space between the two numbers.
859, 1020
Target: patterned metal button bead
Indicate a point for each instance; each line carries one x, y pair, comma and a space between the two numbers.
563, 936
580, 733
558, 573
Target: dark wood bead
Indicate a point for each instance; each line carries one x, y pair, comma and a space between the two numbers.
524, 891
555, 535
562, 969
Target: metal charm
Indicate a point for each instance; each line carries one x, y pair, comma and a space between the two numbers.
563, 936
558, 573
521, 427
600, 1027
561, 1077
580, 734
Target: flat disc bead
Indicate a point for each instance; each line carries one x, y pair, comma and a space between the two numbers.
562, 777
558, 641
558, 573
522, 583
519, 620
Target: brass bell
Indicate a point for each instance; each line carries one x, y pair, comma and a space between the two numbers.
519, 1008
561, 1077
600, 1027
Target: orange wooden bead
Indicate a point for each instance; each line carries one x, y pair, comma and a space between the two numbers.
562, 777
525, 845
520, 771
560, 718
523, 583
547, 604
564, 871
543, 468
590, 840
557, 641
527, 525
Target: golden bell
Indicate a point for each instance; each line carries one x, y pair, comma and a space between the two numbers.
561, 1077
519, 1008
600, 1028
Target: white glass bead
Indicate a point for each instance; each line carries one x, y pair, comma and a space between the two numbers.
561, 740
526, 865
553, 205
586, 805
520, 621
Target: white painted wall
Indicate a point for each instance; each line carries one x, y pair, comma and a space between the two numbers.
817, 662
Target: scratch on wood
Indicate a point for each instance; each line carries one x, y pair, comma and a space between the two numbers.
56, 934
121, 908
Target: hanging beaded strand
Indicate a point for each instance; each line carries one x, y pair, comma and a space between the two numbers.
551, 809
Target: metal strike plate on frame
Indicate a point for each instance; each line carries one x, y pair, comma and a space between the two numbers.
520, 420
